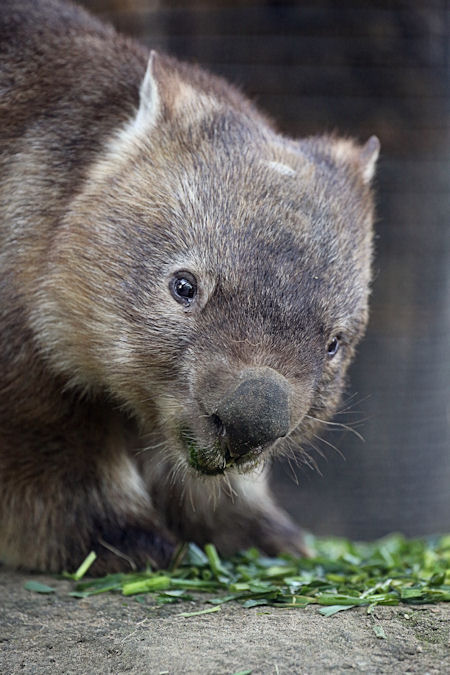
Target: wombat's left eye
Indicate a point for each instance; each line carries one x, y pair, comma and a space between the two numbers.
333, 346
183, 287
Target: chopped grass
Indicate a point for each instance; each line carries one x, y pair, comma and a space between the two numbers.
342, 575
210, 610
83, 568
379, 632
37, 587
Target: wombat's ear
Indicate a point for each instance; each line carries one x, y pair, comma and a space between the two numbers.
149, 97
367, 158
164, 94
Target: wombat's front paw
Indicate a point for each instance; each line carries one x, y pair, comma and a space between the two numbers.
130, 549
281, 536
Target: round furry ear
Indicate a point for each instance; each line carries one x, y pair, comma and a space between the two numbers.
368, 156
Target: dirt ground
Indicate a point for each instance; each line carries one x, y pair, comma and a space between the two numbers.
111, 634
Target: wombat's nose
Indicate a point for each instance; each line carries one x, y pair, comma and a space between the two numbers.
256, 412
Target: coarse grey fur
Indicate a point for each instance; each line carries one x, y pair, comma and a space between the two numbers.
131, 418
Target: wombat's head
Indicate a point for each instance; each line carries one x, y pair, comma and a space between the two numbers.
214, 275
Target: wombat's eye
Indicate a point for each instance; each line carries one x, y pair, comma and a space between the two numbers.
183, 287
333, 346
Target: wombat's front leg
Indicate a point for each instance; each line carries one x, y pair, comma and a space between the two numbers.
268, 526
234, 515
57, 503
250, 517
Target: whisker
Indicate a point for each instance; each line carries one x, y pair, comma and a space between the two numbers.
191, 498
310, 462
231, 492
349, 404
334, 447
294, 475
337, 424
301, 458
153, 446
318, 450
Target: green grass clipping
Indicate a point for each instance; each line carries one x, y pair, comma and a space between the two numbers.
341, 575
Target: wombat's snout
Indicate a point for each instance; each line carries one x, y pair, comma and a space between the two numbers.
254, 413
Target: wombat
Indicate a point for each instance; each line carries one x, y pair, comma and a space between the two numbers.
182, 289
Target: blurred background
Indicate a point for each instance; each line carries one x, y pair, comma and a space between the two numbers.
359, 68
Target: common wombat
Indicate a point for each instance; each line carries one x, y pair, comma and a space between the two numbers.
181, 292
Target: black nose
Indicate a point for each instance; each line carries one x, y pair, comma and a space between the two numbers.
256, 412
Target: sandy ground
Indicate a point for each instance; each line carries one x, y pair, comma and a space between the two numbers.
111, 634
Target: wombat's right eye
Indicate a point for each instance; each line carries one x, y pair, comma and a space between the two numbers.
183, 287
333, 346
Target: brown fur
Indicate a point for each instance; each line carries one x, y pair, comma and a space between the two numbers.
111, 182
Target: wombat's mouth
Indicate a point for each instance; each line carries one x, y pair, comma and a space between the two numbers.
215, 460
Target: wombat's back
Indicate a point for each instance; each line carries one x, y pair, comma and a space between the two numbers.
58, 99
